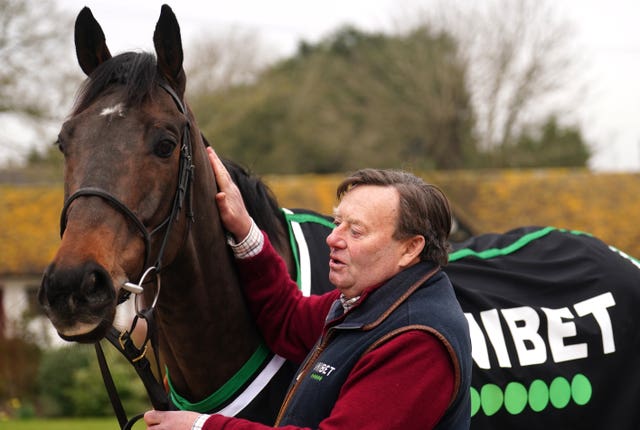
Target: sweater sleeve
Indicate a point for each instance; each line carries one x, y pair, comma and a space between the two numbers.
406, 383
289, 322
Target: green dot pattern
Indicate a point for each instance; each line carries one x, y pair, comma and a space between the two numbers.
491, 398
581, 389
560, 392
515, 398
475, 401
538, 396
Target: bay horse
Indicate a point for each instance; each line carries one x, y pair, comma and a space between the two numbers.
552, 312
140, 215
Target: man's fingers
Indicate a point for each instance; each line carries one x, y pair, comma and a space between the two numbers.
152, 417
222, 175
220, 198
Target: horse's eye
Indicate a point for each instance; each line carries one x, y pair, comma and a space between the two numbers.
164, 148
60, 144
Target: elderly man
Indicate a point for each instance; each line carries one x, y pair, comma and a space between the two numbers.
390, 347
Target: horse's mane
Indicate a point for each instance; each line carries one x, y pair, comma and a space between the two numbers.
136, 71
260, 202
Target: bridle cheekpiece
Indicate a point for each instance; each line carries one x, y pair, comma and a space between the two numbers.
183, 194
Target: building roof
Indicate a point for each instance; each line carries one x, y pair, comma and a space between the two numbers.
602, 204
496, 201
29, 235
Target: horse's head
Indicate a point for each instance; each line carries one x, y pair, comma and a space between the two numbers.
128, 167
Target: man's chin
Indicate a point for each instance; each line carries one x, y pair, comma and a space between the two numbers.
335, 279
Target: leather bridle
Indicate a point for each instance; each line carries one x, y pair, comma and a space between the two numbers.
122, 340
183, 193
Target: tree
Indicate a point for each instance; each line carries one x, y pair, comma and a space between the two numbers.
550, 146
519, 62
35, 66
351, 100
218, 62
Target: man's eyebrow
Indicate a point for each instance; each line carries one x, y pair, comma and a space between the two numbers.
350, 221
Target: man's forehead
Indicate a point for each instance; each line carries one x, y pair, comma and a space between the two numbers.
372, 192
367, 202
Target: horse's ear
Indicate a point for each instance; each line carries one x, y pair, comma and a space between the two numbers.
168, 44
91, 47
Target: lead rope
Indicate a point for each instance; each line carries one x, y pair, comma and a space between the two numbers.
112, 391
138, 359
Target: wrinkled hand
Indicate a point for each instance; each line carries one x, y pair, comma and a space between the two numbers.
170, 420
232, 210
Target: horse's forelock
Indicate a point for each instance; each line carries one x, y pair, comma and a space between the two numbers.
137, 72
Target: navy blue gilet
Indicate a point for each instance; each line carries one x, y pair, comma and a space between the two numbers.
418, 298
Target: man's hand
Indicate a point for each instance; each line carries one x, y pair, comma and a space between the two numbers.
232, 210
170, 420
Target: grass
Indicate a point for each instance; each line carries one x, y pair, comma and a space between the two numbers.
110, 423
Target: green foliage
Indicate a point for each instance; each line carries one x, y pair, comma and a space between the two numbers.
50, 157
56, 379
359, 99
551, 146
354, 99
66, 424
71, 383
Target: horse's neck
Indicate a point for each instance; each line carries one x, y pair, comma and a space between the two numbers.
206, 332
284, 249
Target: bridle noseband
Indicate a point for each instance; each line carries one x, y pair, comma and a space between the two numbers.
183, 193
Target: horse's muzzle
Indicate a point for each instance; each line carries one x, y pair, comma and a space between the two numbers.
80, 301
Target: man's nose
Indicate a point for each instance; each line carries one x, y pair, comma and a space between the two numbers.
335, 240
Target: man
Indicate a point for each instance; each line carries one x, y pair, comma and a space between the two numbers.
390, 348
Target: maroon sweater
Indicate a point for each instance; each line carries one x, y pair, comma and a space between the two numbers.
406, 383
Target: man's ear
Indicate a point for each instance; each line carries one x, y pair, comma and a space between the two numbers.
412, 249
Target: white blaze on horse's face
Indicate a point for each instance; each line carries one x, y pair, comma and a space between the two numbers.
117, 110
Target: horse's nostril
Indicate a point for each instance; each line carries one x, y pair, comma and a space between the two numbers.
96, 287
89, 283
85, 288
42, 292
52, 293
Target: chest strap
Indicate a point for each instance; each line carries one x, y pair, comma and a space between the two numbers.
232, 387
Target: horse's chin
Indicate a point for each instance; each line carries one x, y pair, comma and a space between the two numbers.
85, 333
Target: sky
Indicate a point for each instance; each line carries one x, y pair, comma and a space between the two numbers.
606, 32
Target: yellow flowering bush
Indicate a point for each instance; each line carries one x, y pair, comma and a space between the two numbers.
29, 234
490, 201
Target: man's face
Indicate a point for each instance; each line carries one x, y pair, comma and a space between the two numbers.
363, 251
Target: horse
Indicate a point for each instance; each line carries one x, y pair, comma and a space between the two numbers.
551, 311
140, 214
